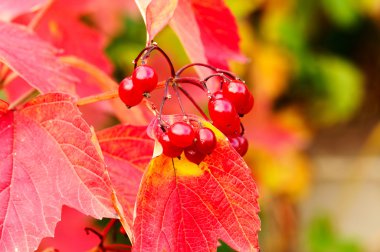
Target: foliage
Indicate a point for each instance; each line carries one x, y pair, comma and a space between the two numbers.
52, 55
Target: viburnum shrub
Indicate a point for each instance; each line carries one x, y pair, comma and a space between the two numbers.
232, 100
175, 183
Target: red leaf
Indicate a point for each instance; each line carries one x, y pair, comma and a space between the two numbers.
127, 151
10, 9
34, 60
208, 31
156, 14
49, 158
69, 234
185, 207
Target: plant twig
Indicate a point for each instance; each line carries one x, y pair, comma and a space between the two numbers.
99, 97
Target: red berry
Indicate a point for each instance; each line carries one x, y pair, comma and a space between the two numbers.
238, 93
205, 140
194, 155
224, 116
168, 148
145, 77
221, 110
240, 144
217, 95
248, 106
181, 134
229, 128
129, 93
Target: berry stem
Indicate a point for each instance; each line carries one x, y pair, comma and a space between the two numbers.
101, 237
172, 71
136, 60
108, 227
150, 49
191, 80
166, 96
182, 69
230, 74
175, 86
215, 75
99, 97
215, 69
146, 54
194, 103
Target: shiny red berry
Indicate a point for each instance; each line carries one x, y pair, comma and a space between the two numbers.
181, 134
240, 144
229, 128
205, 140
224, 116
221, 110
194, 155
237, 92
145, 77
248, 106
168, 148
217, 95
129, 93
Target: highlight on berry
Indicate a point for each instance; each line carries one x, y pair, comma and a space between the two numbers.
226, 105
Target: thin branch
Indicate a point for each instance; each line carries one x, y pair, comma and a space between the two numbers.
166, 97
136, 60
175, 86
110, 224
191, 80
172, 71
215, 69
182, 69
99, 97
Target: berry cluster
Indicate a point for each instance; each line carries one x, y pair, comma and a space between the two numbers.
133, 88
226, 106
232, 101
195, 142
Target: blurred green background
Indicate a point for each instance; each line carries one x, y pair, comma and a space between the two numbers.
314, 69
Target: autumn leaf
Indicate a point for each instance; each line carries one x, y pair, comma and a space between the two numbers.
34, 60
69, 234
185, 207
208, 31
127, 151
63, 26
49, 158
10, 9
156, 14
